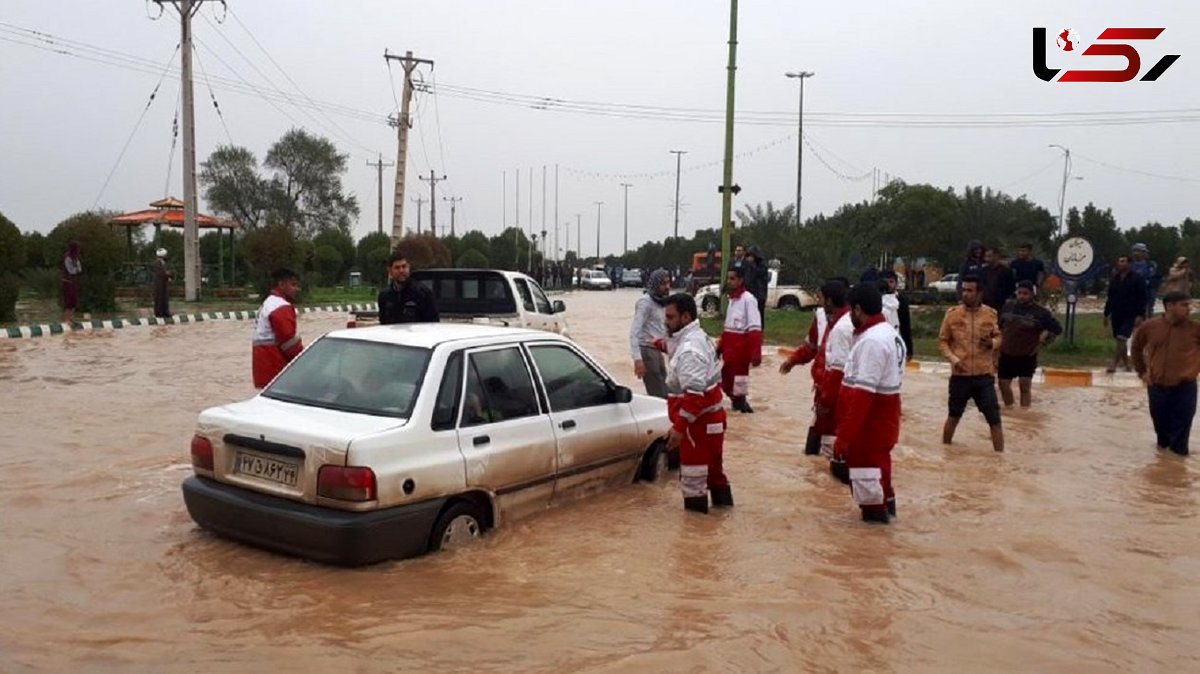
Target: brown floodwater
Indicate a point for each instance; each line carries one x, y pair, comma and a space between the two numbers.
1076, 550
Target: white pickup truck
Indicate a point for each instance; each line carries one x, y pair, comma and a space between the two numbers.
778, 297
485, 296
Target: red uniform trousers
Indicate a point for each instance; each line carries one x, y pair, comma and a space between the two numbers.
700, 455
872, 458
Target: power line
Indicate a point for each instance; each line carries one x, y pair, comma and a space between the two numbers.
437, 116
1147, 174
216, 106
174, 140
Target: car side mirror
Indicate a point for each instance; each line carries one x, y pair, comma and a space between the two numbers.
623, 394
559, 306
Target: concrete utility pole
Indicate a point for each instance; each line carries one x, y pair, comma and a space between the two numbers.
433, 180
453, 201
598, 205
191, 232
1062, 194
379, 166
517, 201
543, 210
418, 201
678, 164
801, 75
557, 250
402, 124
626, 186
504, 201
530, 201
727, 186
579, 235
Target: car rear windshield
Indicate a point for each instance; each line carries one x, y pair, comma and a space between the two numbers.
354, 375
470, 292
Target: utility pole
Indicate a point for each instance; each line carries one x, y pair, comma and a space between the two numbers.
530, 201
678, 164
626, 186
801, 75
433, 180
727, 186
557, 250
1062, 193
598, 205
579, 235
543, 211
453, 201
191, 232
517, 201
504, 201
402, 124
418, 201
379, 166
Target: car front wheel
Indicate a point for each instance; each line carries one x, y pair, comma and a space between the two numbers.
460, 525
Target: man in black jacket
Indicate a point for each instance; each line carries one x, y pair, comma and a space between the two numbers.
1124, 309
403, 301
758, 278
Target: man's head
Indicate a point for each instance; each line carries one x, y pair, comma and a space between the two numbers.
739, 251
890, 279
865, 301
658, 283
971, 297
680, 311
736, 278
286, 283
991, 256
1177, 306
975, 250
1140, 251
1025, 292
398, 269
833, 295
1025, 251
1122, 265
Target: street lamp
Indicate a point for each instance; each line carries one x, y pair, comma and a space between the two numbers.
801, 75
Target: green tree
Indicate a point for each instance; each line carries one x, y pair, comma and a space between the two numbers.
101, 253
232, 185
1099, 227
12, 259
305, 189
327, 261
1163, 242
268, 248
35, 249
343, 244
473, 259
508, 249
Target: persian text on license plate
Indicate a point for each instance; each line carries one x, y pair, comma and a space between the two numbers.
282, 472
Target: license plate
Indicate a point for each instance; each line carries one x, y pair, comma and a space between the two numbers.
261, 467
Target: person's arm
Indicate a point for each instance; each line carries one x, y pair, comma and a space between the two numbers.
856, 396
283, 324
635, 330
692, 371
754, 327
1050, 324
1138, 352
944, 338
804, 353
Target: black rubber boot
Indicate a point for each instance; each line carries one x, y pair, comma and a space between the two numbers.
722, 497
891, 507
673, 459
746, 408
738, 403
812, 445
697, 504
875, 515
840, 470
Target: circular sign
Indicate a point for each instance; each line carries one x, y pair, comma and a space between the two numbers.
1075, 256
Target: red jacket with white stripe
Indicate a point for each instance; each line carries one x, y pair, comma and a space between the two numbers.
869, 403
835, 351
693, 377
741, 341
275, 340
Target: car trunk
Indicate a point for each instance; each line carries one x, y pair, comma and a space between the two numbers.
277, 448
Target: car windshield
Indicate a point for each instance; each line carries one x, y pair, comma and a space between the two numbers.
354, 375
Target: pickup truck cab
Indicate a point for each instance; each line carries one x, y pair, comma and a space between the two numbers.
485, 296
708, 298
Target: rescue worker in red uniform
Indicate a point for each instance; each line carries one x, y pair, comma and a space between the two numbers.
694, 407
869, 405
824, 423
740, 345
276, 341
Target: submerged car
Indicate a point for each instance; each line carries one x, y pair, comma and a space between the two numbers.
391, 441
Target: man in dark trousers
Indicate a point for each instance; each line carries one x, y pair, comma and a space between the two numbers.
1166, 353
1123, 309
403, 301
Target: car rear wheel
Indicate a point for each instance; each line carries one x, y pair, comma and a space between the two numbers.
460, 525
655, 463
789, 304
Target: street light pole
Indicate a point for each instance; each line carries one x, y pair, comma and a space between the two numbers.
678, 163
801, 75
1062, 193
626, 186
598, 205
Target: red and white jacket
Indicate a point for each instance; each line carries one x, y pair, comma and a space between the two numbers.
741, 341
693, 377
275, 340
869, 402
836, 351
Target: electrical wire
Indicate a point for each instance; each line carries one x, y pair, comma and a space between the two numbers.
1147, 174
174, 139
213, 96
437, 116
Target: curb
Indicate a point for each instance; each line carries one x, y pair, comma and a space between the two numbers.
45, 330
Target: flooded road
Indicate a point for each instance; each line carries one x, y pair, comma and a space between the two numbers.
1077, 550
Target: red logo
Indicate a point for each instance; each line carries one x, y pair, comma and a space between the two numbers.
1105, 45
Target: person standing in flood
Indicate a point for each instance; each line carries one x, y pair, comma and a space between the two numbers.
276, 339
740, 344
647, 328
896, 308
869, 405
72, 267
694, 408
162, 284
1166, 355
1025, 326
968, 339
1124, 309
815, 350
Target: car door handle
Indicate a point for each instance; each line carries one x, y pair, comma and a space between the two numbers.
481, 440
569, 423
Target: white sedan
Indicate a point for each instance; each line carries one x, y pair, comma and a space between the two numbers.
391, 441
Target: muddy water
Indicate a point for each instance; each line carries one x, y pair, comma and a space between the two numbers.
1077, 550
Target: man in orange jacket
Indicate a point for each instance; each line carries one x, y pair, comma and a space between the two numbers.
276, 341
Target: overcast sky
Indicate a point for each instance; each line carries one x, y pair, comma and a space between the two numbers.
64, 119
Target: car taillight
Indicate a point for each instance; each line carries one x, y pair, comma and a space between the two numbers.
346, 483
202, 452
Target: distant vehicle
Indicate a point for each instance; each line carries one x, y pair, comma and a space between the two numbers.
946, 287
594, 279
397, 440
632, 278
487, 296
778, 297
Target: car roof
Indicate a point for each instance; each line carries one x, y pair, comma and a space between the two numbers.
466, 271
430, 335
